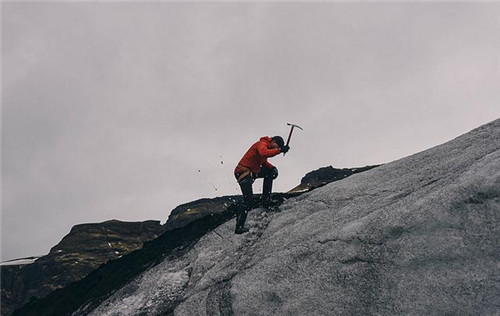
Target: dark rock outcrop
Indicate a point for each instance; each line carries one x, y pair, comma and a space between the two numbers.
189, 212
84, 249
325, 175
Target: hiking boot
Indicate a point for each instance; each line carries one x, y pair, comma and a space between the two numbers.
241, 230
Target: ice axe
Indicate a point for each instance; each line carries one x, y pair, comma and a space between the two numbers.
291, 131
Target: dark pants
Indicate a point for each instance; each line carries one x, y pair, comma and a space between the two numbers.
247, 190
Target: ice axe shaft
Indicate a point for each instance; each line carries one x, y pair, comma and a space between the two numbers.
291, 131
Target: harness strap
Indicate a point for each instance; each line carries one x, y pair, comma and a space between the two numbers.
244, 174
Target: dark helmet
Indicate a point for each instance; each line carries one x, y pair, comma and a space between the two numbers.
279, 141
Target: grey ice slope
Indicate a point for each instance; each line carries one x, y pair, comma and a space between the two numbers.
418, 236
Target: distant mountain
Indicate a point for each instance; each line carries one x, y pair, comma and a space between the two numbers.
417, 236
85, 248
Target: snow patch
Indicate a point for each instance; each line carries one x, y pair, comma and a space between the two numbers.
19, 262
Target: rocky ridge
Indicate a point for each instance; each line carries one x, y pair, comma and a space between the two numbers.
84, 249
325, 175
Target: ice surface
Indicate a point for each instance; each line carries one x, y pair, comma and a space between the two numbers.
417, 236
149, 292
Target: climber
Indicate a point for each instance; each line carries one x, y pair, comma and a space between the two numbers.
254, 165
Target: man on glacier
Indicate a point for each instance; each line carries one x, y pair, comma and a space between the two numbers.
254, 165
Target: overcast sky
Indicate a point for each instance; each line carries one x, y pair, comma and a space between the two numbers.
126, 110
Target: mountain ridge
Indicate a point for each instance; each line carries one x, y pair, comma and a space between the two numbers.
81, 251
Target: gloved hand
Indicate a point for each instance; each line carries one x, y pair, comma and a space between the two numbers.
285, 149
274, 173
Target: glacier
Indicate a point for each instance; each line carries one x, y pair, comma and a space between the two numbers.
417, 236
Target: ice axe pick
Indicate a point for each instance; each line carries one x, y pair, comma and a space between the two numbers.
291, 131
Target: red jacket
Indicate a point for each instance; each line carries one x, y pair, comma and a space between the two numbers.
257, 155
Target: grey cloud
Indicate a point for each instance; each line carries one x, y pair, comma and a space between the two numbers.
124, 110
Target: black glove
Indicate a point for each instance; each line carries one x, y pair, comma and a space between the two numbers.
285, 149
274, 173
